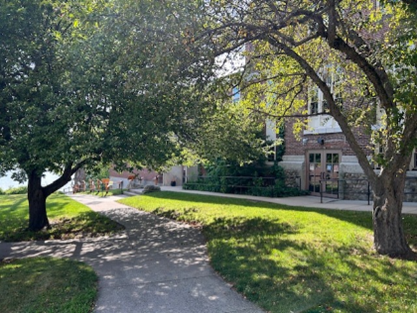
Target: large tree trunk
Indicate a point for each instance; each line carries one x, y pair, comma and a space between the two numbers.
389, 238
38, 218
37, 194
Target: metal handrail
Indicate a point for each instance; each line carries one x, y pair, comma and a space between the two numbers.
339, 180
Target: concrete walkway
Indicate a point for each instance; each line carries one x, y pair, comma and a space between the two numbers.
156, 265
305, 201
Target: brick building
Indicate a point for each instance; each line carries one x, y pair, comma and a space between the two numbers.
322, 160
178, 174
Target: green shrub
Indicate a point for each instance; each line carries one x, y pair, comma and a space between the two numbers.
256, 179
278, 190
21, 190
151, 188
2, 192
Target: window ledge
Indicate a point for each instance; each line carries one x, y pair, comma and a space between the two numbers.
323, 130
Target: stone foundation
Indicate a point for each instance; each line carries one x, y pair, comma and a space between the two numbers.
294, 166
410, 189
354, 186
292, 179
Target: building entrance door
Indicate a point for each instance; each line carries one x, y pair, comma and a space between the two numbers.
323, 172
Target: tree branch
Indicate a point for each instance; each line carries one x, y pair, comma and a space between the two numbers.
65, 178
334, 109
375, 73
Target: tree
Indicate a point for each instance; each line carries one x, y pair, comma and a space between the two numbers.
290, 45
89, 82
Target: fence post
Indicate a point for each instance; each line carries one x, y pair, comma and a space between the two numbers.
338, 188
321, 191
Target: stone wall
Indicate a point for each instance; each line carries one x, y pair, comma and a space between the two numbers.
294, 167
292, 179
354, 186
410, 189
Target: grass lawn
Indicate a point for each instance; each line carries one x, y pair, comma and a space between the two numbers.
68, 218
46, 285
111, 192
295, 259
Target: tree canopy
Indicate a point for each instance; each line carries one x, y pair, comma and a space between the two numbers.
97, 82
94, 82
368, 49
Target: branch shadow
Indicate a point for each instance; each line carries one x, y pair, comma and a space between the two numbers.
157, 263
361, 219
249, 253
253, 255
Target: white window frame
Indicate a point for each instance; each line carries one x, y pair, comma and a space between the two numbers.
322, 123
413, 163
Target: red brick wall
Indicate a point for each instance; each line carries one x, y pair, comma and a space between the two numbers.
147, 175
332, 141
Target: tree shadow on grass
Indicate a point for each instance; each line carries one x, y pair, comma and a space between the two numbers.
9, 209
263, 260
361, 219
15, 208
84, 225
30, 285
284, 275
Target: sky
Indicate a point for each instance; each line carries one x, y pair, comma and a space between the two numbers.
7, 182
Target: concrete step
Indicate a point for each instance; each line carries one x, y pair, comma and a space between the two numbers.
133, 192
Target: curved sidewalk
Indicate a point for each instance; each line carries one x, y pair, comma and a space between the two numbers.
304, 201
156, 265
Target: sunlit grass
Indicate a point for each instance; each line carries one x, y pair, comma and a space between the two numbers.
68, 218
101, 193
46, 285
294, 259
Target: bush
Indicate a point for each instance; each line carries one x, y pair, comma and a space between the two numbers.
254, 189
17, 191
150, 188
2, 192
277, 191
256, 179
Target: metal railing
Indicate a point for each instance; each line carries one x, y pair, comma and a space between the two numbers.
361, 189
340, 188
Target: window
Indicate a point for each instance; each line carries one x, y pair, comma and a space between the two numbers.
415, 161
271, 136
413, 164
378, 152
314, 101
322, 123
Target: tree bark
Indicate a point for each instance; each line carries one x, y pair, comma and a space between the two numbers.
38, 218
389, 237
37, 194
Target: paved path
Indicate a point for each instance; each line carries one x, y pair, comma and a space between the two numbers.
156, 265
305, 201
